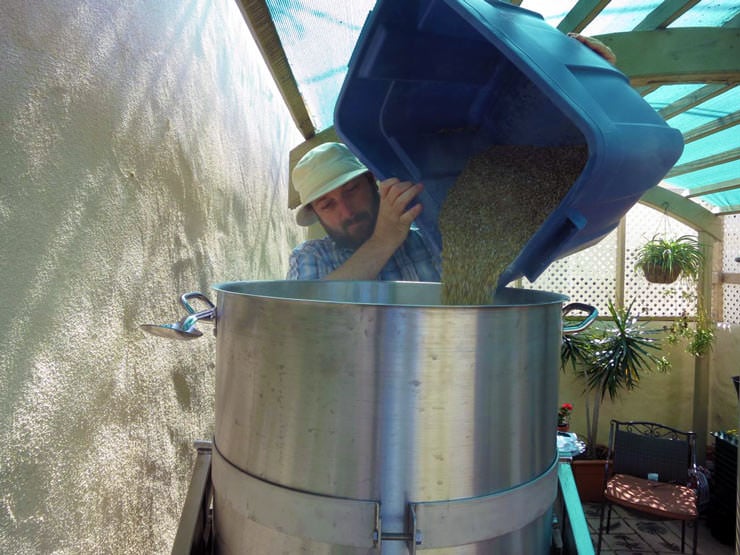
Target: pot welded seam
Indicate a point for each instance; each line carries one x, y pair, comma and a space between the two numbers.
356, 523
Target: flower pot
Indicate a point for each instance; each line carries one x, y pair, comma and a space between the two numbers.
589, 477
564, 427
660, 274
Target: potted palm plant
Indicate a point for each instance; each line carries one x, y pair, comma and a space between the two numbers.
609, 357
664, 259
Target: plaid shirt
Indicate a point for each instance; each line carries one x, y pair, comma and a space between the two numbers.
413, 261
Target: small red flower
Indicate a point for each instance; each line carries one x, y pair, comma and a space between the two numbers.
564, 411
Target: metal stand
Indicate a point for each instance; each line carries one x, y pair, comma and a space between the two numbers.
195, 531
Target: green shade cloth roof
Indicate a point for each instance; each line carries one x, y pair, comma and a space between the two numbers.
318, 37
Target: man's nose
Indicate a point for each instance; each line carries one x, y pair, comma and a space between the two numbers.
344, 210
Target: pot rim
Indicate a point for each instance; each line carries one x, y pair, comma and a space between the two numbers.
376, 293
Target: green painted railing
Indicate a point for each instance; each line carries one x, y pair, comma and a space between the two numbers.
576, 539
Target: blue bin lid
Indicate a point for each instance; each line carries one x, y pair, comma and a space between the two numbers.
432, 83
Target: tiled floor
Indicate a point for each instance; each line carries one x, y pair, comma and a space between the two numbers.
635, 535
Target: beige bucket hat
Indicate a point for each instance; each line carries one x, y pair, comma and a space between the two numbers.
320, 171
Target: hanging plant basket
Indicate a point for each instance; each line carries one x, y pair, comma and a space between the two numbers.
665, 259
660, 274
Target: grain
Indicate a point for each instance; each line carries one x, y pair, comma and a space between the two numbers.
495, 206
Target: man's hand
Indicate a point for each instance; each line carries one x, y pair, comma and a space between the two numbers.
597, 46
394, 219
391, 229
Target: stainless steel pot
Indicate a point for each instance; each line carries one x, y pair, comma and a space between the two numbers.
355, 417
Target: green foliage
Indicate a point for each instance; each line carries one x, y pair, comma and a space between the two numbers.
699, 338
702, 341
623, 350
611, 359
682, 256
576, 349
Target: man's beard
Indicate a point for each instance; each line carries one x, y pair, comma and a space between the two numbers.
347, 239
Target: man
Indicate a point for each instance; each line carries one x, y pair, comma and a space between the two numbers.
370, 232
369, 227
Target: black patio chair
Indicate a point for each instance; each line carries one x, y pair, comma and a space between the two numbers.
639, 449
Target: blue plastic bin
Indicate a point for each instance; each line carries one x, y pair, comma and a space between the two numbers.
432, 83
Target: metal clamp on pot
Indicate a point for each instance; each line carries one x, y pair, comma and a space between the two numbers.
357, 522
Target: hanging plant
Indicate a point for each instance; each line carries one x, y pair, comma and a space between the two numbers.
699, 337
664, 260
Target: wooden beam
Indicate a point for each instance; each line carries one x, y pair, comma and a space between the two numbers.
734, 22
684, 210
583, 13
259, 20
727, 277
621, 261
706, 162
727, 210
693, 99
664, 14
683, 55
719, 124
647, 89
720, 187
702, 364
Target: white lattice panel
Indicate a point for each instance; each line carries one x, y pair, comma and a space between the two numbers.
731, 303
731, 250
587, 276
731, 243
590, 275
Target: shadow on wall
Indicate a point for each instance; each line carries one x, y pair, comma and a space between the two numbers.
138, 163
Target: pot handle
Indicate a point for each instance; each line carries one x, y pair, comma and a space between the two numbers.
185, 301
592, 313
185, 328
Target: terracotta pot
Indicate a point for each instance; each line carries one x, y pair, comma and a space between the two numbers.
563, 427
589, 477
